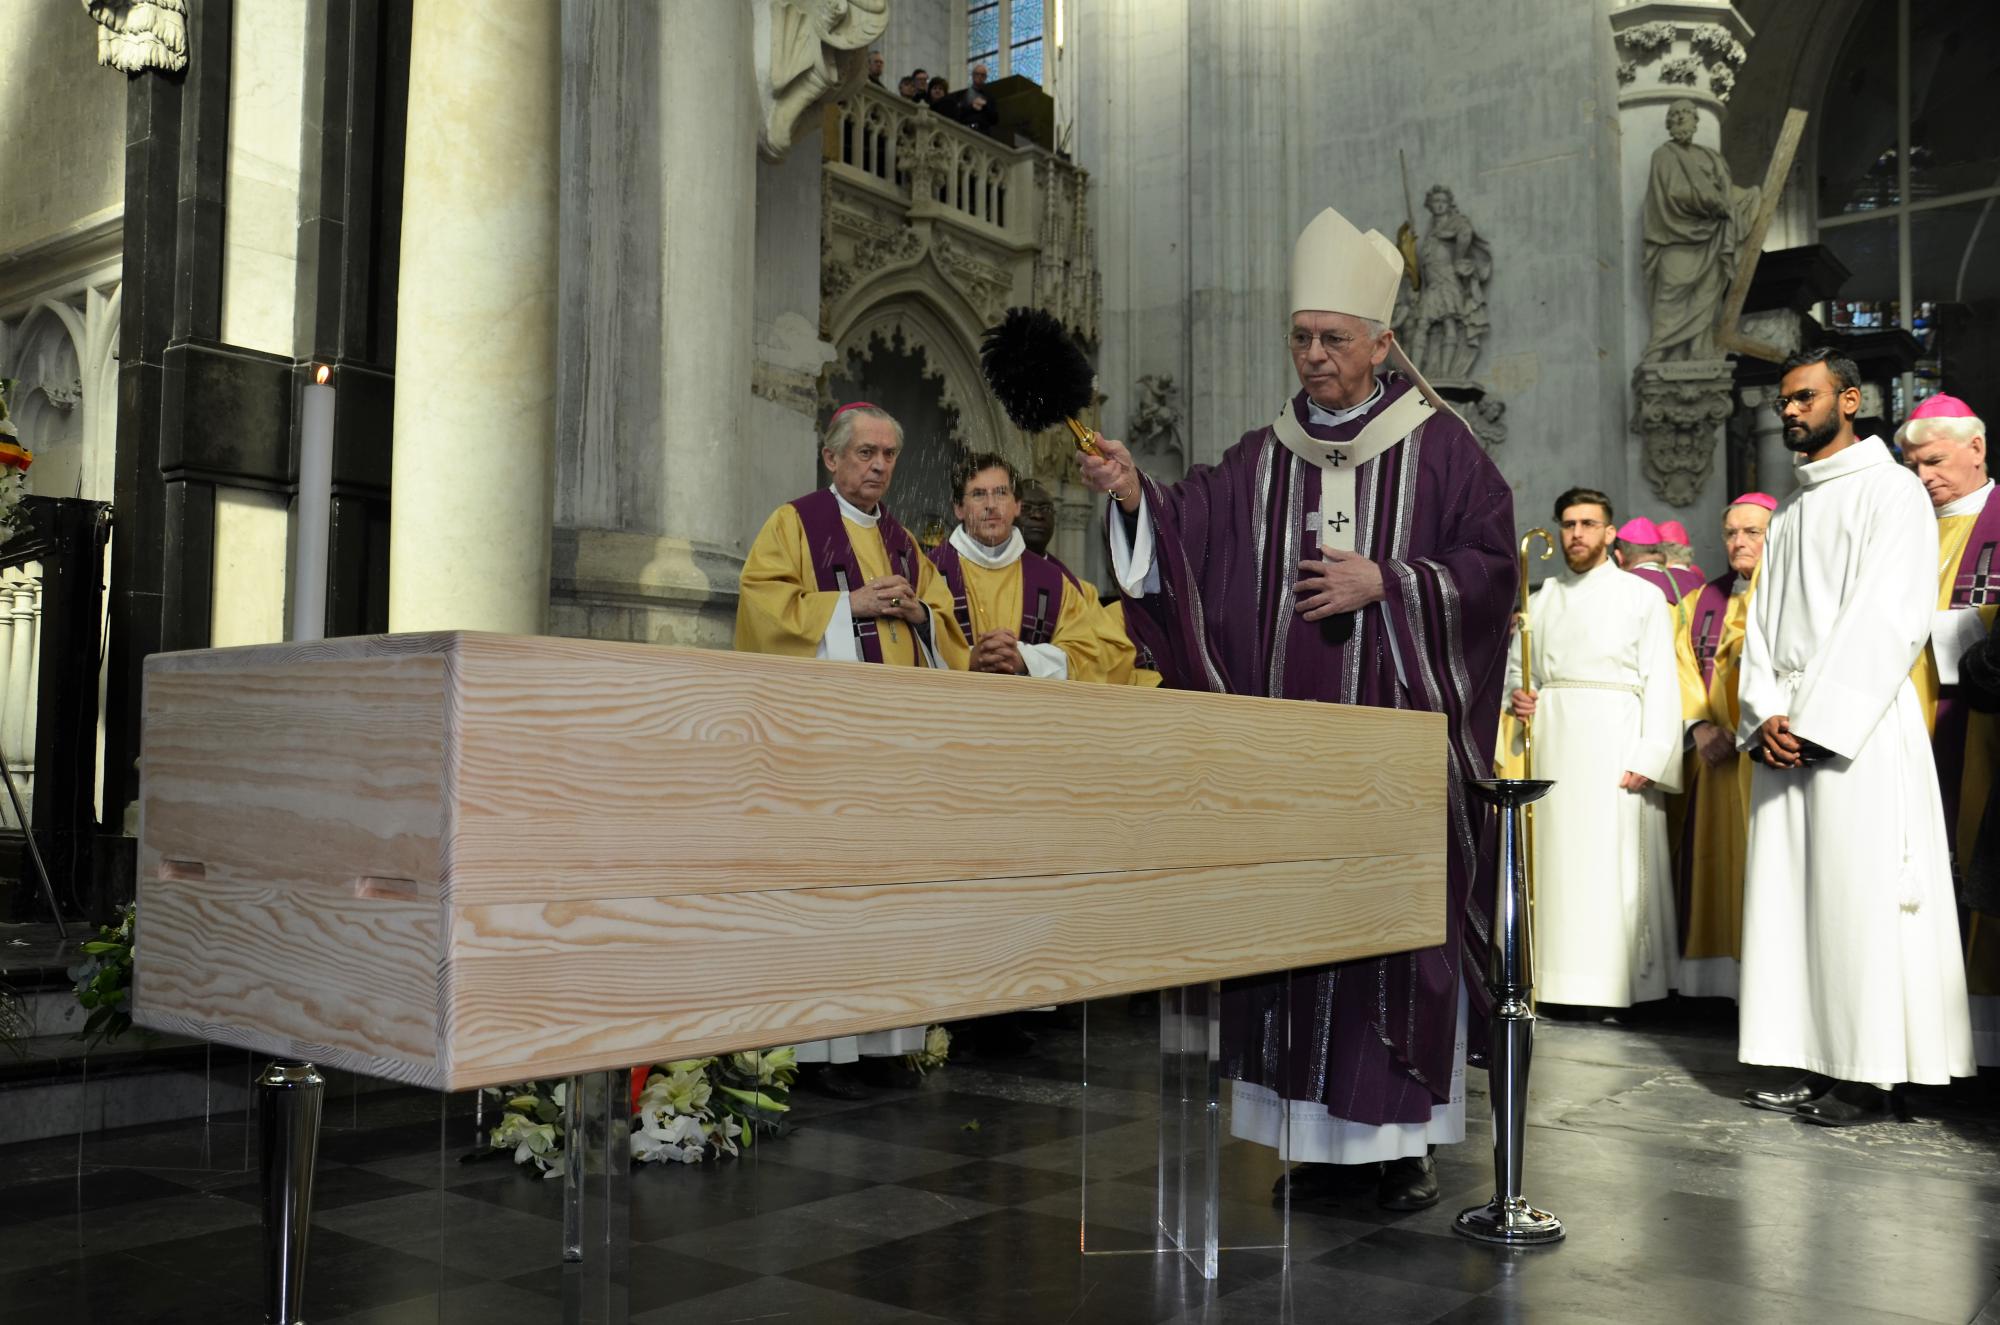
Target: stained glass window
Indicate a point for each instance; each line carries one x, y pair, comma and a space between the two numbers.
1026, 22
1008, 36
983, 32
1026, 60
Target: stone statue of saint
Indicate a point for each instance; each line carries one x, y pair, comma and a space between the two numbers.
1694, 225
1447, 319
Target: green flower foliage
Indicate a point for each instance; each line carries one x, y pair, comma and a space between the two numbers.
685, 1111
104, 980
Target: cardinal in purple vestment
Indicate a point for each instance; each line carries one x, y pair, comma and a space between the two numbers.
1359, 550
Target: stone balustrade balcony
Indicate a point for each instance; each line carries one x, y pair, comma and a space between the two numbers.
913, 197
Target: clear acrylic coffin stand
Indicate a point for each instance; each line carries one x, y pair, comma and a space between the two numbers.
1161, 1175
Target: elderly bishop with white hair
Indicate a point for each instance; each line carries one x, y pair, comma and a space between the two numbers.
1359, 549
1944, 443
833, 575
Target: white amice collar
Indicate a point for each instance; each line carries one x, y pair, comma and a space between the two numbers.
1972, 503
850, 511
992, 558
1577, 577
1321, 417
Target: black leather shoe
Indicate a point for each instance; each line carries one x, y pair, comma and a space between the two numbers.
1408, 1184
1803, 1091
1850, 1104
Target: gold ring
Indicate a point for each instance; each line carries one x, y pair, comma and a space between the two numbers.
895, 602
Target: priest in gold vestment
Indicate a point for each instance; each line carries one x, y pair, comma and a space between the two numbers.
1708, 871
1024, 613
833, 575
1945, 443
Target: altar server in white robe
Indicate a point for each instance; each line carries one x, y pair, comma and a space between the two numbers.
1606, 725
1851, 969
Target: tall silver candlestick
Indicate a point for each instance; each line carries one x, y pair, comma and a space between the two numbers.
1508, 1219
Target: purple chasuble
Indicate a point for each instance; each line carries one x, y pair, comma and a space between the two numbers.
1041, 593
834, 566
1372, 1040
1976, 585
1676, 582
1711, 609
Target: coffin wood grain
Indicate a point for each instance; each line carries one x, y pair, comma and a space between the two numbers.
562, 854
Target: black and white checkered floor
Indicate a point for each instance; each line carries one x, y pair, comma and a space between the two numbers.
1682, 1206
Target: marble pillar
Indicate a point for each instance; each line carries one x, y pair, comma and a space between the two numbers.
691, 348
708, 210
1669, 51
476, 321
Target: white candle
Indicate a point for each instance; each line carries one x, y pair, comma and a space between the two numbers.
315, 507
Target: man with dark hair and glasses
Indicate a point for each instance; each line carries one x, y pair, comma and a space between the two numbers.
1851, 968
1606, 710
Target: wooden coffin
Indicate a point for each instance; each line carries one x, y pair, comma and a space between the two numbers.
461, 859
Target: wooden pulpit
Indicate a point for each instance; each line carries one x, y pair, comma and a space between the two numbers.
460, 859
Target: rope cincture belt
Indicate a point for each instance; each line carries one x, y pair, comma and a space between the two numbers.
1638, 692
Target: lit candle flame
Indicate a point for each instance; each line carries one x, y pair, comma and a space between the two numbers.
325, 372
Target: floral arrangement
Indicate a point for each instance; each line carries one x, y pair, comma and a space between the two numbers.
937, 1048
14, 462
531, 1123
682, 1112
104, 979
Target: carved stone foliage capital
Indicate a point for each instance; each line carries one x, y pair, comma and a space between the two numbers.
1667, 50
818, 52
1679, 414
133, 35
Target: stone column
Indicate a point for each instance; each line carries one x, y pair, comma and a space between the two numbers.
476, 321
1668, 51
708, 120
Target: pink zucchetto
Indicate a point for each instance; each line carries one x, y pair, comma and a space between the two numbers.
1673, 531
1640, 532
1763, 499
1939, 416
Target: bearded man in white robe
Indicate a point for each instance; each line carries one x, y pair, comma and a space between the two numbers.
1606, 725
1851, 969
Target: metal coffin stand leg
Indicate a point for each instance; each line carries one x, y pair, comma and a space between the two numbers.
1508, 1219
289, 1096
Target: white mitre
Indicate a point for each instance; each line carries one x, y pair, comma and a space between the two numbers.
1339, 269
